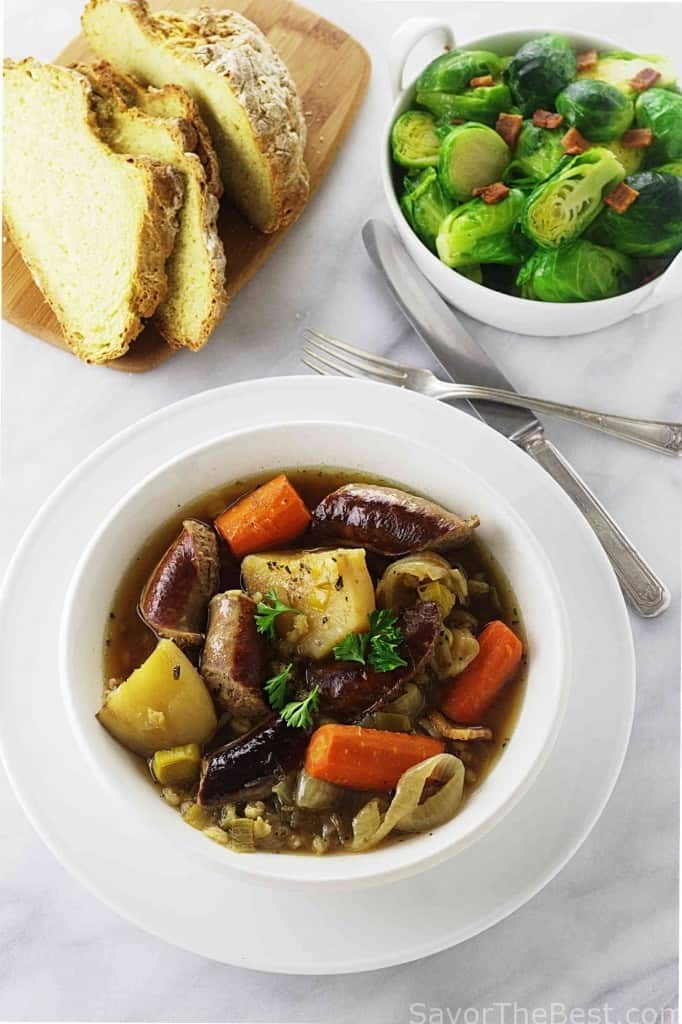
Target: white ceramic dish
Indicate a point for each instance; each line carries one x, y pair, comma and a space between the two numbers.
184, 898
509, 313
441, 470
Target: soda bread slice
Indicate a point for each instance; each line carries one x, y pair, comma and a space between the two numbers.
196, 299
243, 89
93, 227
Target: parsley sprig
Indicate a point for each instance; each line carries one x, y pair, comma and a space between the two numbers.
379, 647
276, 688
296, 713
266, 614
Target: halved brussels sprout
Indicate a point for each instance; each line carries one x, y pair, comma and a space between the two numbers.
620, 66
580, 272
453, 71
483, 103
538, 71
537, 153
599, 111
425, 205
652, 225
474, 272
632, 160
414, 142
661, 110
560, 209
675, 167
480, 233
471, 155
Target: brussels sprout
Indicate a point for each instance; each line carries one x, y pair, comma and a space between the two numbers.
453, 71
619, 67
473, 272
471, 155
631, 159
480, 233
484, 103
502, 278
652, 225
560, 208
598, 110
425, 205
675, 167
580, 272
661, 110
537, 153
414, 141
539, 71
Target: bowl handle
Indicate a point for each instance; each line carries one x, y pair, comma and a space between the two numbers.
668, 286
405, 38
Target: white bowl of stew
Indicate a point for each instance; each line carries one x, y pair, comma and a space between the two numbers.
102, 636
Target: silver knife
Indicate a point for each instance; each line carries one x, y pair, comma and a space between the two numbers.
463, 360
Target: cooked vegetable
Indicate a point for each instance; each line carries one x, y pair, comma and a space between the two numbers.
453, 71
456, 648
474, 272
479, 233
421, 577
407, 811
389, 521
414, 142
675, 167
248, 767
652, 226
471, 155
425, 205
661, 110
349, 689
538, 72
482, 103
599, 111
620, 67
357, 758
267, 612
537, 154
409, 703
462, 733
174, 600
234, 656
386, 720
332, 589
177, 767
560, 208
498, 659
272, 514
163, 704
315, 794
580, 272
630, 159
379, 647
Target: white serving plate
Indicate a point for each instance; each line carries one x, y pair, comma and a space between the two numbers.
187, 899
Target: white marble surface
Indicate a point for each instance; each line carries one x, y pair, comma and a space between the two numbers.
605, 930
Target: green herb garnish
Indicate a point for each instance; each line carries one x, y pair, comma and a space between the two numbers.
379, 647
299, 713
267, 613
352, 648
276, 688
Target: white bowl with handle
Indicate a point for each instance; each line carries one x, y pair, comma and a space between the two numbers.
508, 312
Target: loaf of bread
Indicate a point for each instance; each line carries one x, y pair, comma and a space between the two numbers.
94, 227
196, 299
242, 88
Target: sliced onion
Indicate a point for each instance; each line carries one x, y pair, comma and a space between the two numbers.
410, 702
399, 587
387, 721
315, 794
405, 813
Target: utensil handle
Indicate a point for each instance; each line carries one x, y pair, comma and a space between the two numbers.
405, 38
640, 584
657, 435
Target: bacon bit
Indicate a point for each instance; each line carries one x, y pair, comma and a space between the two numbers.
509, 127
644, 79
586, 60
622, 197
547, 119
485, 81
637, 138
491, 193
451, 731
457, 120
573, 142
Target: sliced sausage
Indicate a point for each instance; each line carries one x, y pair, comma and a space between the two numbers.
176, 595
389, 521
234, 659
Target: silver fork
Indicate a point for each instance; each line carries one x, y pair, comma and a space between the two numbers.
328, 355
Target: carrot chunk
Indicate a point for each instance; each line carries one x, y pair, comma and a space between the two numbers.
349, 755
473, 690
272, 514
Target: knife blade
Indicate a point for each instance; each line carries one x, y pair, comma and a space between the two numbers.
463, 360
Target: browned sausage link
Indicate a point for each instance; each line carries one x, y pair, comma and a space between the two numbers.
389, 521
176, 595
348, 689
234, 658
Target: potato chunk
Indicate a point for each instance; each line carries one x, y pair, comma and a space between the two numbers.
163, 704
333, 590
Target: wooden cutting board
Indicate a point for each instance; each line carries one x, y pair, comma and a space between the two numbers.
331, 71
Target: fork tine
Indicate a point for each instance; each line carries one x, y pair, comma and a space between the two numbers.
314, 336
342, 364
356, 362
328, 367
